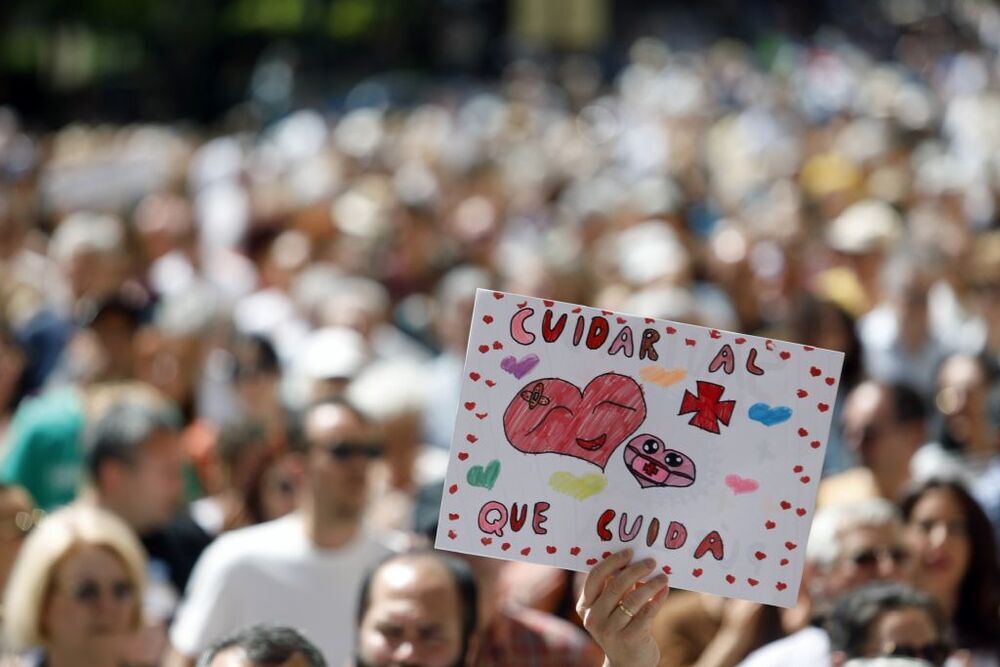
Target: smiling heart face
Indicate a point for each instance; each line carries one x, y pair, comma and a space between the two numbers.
553, 415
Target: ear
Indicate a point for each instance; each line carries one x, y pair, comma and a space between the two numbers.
838, 658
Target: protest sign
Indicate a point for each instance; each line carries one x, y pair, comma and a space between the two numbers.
583, 431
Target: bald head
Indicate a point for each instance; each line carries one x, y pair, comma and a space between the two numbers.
417, 610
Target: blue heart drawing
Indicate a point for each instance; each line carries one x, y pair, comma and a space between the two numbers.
768, 416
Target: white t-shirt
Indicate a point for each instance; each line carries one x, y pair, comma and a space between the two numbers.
808, 646
271, 573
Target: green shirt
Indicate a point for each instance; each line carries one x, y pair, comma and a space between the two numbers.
44, 447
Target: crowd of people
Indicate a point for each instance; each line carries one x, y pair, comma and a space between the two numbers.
230, 361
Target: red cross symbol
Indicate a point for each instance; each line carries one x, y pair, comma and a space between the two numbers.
708, 409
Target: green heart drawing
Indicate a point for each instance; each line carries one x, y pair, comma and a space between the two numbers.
485, 478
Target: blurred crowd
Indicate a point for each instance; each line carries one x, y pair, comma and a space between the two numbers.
230, 362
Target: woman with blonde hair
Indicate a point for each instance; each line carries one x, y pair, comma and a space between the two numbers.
74, 595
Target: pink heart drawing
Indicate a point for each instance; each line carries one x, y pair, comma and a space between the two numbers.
519, 368
741, 485
553, 415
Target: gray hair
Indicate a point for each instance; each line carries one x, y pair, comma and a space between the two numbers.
824, 546
266, 645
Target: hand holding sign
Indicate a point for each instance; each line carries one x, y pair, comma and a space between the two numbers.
583, 431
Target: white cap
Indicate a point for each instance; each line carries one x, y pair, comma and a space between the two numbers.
332, 353
863, 227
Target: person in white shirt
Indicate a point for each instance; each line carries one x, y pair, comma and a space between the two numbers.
303, 570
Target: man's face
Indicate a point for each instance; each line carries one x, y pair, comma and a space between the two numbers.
340, 449
867, 554
871, 429
154, 484
413, 618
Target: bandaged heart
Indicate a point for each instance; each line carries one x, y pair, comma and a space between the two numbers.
552, 415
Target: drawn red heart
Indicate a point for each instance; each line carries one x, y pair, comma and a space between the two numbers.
471, 438
452, 534
760, 555
823, 407
649, 320
452, 516
484, 348
591, 561
814, 444
781, 585
769, 344
497, 345
785, 354
741, 340
522, 304
505, 546
752, 581
785, 505
482, 415
801, 511
488, 319
475, 376
730, 578
830, 381
606, 554
452, 489
783, 562
470, 405
797, 469
577, 309
690, 342
715, 333
525, 551
487, 541
815, 372
550, 549
696, 571
588, 425
803, 433
575, 551
802, 393
671, 330
804, 479
607, 312
790, 546
770, 524
622, 320
666, 569
497, 295
548, 304
490, 383
463, 455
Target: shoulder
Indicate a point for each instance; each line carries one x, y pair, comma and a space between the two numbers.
807, 646
245, 544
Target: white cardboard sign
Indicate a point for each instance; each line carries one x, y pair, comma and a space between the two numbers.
584, 431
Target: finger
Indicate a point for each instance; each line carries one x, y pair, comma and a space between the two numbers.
620, 584
640, 624
637, 599
594, 584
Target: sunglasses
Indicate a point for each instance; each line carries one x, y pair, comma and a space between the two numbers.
935, 653
345, 451
89, 592
872, 557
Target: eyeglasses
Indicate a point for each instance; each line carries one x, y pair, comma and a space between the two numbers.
935, 653
870, 558
89, 591
345, 451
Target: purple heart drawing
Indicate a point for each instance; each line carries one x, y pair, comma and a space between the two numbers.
519, 368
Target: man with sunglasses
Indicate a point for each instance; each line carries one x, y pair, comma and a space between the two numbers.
303, 570
850, 545
888, 620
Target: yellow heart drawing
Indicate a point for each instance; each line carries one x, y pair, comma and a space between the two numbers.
579, 487
662, 376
